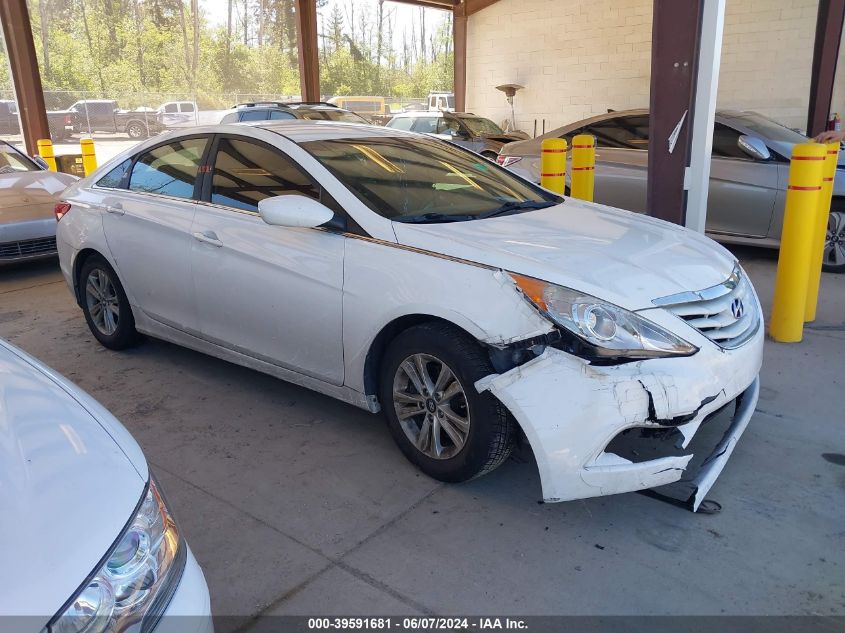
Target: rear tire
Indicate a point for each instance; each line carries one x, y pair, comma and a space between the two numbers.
104, 303
834, 246
439, 421
137, 130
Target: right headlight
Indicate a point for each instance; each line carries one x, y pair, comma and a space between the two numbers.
137, 579
610, 331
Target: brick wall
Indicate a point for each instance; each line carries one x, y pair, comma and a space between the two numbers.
577, 58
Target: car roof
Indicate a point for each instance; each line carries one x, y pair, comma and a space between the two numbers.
303, 130
436, 113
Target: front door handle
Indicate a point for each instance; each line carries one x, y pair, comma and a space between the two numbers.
208, 237
116, 208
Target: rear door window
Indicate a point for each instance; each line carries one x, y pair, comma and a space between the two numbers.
254, 115
276, 115
402, 124
114, 178
628, 132
425, 125
169, 170
246, 172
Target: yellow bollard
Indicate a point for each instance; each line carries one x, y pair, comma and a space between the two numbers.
553, 164
89, 158
45, 151
583, 166
822, 215
796, 244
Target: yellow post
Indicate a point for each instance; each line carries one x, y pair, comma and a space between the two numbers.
583, 166
45, 151
796, 243
89, 158
822, 215
553, 164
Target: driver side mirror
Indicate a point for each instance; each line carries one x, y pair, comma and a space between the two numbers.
294, 210
754, 147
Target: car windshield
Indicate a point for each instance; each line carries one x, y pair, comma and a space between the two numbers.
426, 180
480, 127
768, 129
11, 160
332, 115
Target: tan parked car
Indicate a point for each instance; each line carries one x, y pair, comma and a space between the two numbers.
28, 196
747, 178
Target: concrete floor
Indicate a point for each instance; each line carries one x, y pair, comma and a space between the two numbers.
297, 504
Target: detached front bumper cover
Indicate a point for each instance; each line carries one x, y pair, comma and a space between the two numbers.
570, 411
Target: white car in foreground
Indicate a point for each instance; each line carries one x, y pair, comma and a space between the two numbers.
88, 542
398, 272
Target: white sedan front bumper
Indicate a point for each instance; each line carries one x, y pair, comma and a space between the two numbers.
570, 411
189, 610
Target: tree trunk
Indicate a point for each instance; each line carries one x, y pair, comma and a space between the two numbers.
228, 64
185, 45
91, 46
139, 29
45, 28
195, 15
262, 10
246, 22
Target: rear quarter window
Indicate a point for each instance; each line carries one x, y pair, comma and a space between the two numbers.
114, 177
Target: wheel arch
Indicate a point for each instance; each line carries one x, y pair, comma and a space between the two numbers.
83, 256
378, 346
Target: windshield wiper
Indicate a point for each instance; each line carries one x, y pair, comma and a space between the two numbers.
433, 218
515, 206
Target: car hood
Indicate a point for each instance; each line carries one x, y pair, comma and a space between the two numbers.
622, 257
29, 195
70, 479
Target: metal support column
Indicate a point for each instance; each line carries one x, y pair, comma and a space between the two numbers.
676, 34
309, 61
825, 54
704, 112
459, 38
26, 77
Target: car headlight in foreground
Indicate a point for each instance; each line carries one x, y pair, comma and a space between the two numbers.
609, 330
137, 579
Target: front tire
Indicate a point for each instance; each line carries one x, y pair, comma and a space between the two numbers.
104, 303
437, 418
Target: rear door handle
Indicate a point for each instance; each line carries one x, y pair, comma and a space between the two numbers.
115, 208
208, 237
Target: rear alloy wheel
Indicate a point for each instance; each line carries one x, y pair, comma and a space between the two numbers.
136, 130
107, 310
834, 243
435, 414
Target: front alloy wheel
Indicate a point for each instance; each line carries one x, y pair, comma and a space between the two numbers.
834, 244
437, 417
431, 406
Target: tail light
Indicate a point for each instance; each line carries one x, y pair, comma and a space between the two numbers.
504, 161
68, 120
60, 209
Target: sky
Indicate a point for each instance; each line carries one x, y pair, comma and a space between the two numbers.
216, 13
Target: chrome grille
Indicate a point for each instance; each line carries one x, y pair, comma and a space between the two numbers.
727, 313
27, 248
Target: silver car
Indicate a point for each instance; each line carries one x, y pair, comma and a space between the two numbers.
747, 178
475, 133
28, 196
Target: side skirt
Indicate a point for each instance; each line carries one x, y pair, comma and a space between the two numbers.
158, 330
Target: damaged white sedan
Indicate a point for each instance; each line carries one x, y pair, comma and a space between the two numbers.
400, 273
